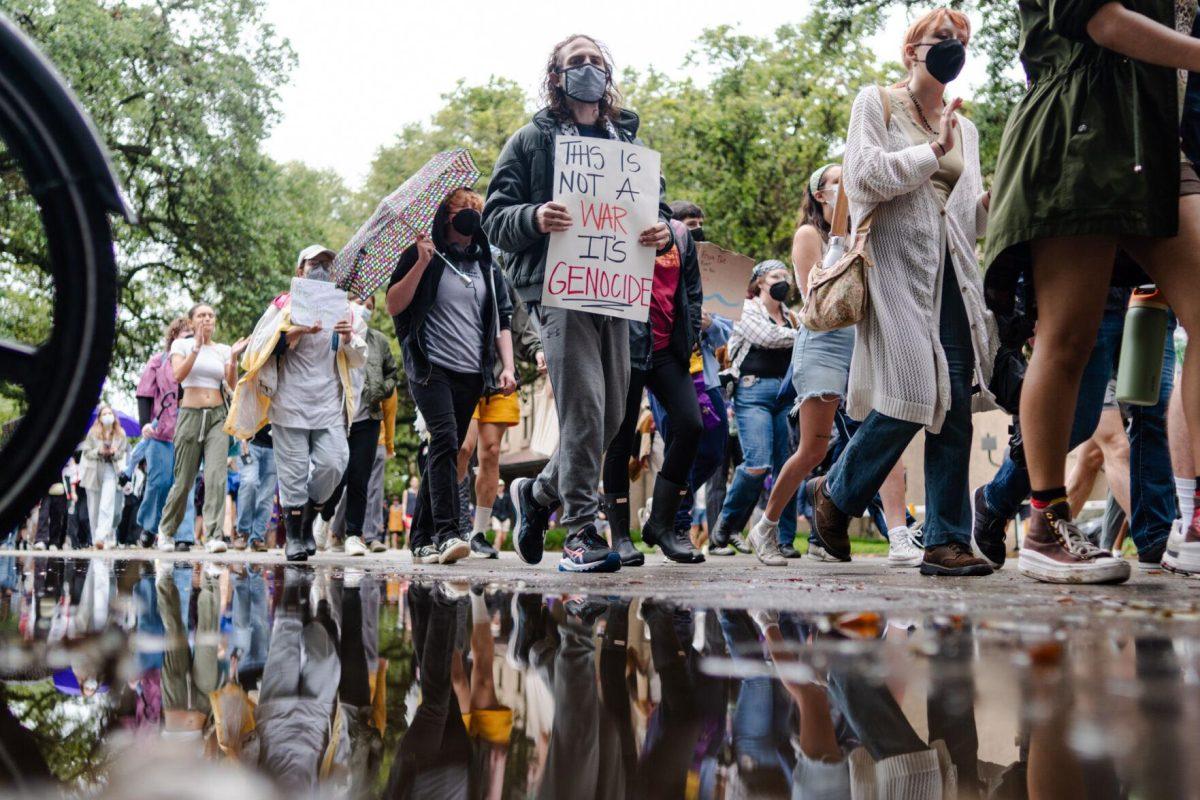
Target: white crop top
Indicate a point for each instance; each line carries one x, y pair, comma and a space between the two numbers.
208, 371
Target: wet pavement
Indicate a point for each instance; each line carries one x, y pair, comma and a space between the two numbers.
200, 677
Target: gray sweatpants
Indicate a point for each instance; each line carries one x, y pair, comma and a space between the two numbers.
588, 360
309, 463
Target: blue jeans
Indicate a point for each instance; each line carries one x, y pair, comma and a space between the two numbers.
1152, 484
763, 432
160, 474
708, 457
880, 441
251, 631
256, 491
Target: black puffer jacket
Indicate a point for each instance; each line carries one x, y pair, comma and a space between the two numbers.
689, 295
522, 181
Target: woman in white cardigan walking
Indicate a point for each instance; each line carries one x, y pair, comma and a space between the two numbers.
924, 353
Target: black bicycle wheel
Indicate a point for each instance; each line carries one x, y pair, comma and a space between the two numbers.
66, 168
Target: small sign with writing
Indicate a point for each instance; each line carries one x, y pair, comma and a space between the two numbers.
610, 189
724, 276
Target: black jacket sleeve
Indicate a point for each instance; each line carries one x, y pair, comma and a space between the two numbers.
508, 214
692, 283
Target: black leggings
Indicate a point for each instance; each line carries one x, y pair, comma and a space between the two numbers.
446, 401
669, 379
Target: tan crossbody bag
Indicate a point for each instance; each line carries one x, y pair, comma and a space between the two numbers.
837, 294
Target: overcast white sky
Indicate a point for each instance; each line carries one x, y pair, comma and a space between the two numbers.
368, 67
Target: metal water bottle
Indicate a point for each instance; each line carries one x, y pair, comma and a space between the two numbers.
1140, 372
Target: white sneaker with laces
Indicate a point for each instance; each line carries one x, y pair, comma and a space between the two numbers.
764, 539
355, 546
215, 545
164, 543
321, 533
901, 550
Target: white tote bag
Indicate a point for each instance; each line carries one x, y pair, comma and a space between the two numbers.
545, 421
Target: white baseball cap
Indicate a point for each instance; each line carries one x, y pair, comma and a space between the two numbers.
311, 252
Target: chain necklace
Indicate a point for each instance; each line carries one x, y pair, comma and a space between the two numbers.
920, 111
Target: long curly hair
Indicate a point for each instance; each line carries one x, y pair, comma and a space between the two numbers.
556, 99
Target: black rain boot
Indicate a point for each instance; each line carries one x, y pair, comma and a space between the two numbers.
616, 508
293, 524
311, 510
660, 527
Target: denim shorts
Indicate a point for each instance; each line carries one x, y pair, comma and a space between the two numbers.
821, 363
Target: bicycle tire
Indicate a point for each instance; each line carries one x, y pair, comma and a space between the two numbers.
67, 170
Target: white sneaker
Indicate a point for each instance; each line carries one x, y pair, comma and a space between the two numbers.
163, 569
1181, 556
321, 533
764, 539
352, 578
355, 546
164, 544
901, 550
39, 545
216, 545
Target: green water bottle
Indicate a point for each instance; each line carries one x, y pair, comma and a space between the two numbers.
1140, 373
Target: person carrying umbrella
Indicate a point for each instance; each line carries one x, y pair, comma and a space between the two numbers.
453, 319
588, 353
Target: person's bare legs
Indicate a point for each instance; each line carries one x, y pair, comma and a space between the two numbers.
892, 494
1182, 463
487, 477
1071, 277
1173, 264
816, 426
1088, 460
1110, 436
467, 449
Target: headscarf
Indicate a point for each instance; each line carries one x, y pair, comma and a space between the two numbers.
814, 180
763, 267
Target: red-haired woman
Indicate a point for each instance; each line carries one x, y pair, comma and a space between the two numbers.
453, 319
923, 355
1090, 165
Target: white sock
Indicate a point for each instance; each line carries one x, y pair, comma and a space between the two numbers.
1185, 491
896, 531
483, 519
479, 610
770, 523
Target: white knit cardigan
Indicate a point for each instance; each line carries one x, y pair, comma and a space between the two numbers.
899, 366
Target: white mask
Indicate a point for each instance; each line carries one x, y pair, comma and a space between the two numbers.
107, 420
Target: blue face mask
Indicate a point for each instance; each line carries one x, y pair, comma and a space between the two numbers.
319, 273
585, 83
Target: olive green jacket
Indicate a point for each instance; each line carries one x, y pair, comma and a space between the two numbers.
1092, 147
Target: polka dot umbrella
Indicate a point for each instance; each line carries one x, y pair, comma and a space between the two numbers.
369, 257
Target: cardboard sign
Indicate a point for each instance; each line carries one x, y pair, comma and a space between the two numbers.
318, 302
725, 276
610, 188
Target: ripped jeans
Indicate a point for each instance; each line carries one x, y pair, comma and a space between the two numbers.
763, 432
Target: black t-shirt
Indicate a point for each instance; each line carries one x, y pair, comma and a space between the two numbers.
593, 131
767, 362
263, 437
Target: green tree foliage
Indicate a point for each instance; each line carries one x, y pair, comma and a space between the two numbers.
184, 93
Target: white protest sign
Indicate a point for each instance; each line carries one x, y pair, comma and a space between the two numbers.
318, 303
610, 188
724, 276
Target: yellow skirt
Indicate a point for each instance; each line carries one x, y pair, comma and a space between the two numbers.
499, 409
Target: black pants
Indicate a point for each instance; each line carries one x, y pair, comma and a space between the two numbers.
446, 401
669, 379
363, 441
52, 520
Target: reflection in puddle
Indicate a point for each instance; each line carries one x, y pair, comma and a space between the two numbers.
137, 679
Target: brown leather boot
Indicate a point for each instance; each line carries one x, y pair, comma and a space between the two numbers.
831, 525
953, 559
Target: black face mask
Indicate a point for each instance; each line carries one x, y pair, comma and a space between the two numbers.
945, 60
779, 291
467, 222
698, 235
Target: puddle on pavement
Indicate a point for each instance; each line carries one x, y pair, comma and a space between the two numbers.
127, 679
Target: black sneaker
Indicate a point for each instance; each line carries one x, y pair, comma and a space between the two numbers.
789, 551
987, 532
482, 548
452, 549
587, 551
586, 610
531, 523
1152, 558
183, 547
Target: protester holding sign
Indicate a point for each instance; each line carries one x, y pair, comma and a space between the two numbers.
662, 352
298, 377
453, 318
587, 352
